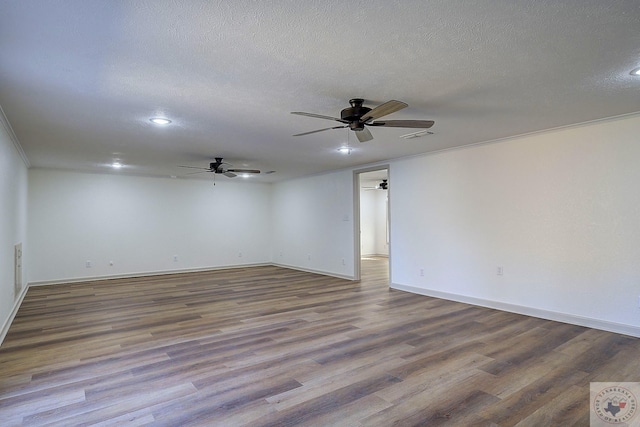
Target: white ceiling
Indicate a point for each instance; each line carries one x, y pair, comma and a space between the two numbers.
80, 79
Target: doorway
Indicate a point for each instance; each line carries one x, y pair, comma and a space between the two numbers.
371, 193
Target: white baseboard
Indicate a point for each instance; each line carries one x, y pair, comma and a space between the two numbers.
141, 274
309, 270
18, 301
12, 315
604, 325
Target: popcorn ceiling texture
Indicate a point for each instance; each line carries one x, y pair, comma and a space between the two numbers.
81, 79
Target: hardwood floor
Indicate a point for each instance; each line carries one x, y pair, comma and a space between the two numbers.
268, 346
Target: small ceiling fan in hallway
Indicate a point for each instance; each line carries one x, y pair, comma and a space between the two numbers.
383, 185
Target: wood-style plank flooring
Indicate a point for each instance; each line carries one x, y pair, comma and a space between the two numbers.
268, 346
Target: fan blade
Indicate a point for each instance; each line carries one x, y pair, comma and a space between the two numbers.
194, 167
319, 116
319, 130
194, 173
422, 124
384, 109
364, 135
243, 170
230, 174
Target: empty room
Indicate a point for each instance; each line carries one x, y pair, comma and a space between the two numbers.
319, 213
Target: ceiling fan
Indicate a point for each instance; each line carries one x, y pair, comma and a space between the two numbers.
357, 117
382, 186
218, 168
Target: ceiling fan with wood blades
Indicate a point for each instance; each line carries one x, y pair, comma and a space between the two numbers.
219, 168
358, 116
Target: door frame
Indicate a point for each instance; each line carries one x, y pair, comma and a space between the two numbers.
356, 217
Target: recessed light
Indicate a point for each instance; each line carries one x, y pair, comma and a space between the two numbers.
116, 165
345, 150
160, 120
635, 72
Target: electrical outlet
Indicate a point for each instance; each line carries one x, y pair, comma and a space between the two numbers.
175, 258
87, 264
239, 254
499, 271
422, 272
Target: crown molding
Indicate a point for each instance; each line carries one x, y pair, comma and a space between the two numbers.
16, 143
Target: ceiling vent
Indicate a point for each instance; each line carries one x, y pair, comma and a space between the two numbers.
416, 134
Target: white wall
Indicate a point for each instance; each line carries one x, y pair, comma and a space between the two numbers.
313, 223
140, 223
559, 211
373, 217
382, 247
13, 224
367, 223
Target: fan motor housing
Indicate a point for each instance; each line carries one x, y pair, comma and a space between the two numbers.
215, 167
354, 113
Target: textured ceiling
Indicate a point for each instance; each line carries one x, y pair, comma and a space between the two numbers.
79, 80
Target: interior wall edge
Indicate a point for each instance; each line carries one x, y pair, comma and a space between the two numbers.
573, 319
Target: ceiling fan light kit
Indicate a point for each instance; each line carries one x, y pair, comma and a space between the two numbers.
160, 121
